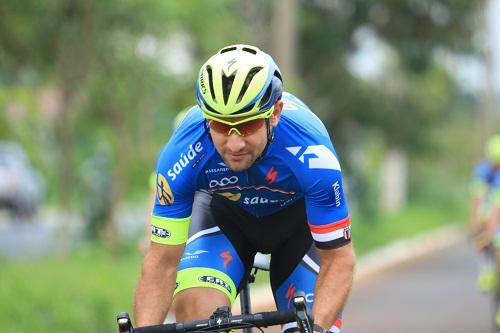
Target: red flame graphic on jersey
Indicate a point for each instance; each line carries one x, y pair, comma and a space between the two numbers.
289, 294
271, 175
227, 256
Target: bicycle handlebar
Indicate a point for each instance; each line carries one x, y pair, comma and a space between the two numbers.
223, 320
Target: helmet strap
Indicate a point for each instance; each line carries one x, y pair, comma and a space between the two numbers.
207, 130
270, 138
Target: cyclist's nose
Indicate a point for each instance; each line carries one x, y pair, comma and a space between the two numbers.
235, 142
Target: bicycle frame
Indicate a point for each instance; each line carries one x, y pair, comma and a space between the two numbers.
223, 320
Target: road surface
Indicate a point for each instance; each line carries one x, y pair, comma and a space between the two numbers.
432, 294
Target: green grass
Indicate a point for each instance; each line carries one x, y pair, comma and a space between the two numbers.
84, 290
81, 292
415, 219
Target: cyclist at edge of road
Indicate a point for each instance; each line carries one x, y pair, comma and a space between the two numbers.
484, 210
250, 168
143, 242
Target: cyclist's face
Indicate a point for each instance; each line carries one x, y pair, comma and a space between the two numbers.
240, 152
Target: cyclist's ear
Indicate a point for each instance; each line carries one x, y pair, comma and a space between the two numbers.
278, 107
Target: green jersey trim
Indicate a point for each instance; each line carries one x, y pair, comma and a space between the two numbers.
206, 278
170, 231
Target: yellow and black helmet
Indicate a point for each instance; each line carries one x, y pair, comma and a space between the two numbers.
493, 149
239, 81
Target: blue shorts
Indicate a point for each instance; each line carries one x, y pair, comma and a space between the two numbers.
223, 241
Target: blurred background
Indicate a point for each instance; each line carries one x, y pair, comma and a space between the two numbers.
89, 90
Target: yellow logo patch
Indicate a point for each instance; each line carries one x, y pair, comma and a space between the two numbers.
231, 196
163, 191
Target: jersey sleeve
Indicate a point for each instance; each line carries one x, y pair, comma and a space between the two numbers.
317, 169
314, 162
326, 207
495, 189
480, 183
176, 183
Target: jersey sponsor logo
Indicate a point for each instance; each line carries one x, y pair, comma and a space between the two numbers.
336, 191
223, 168
163, 190
184, 160
195, 255
231, 196
287, 201
223, 182
229, 64
226, 255
202, 156
160, 232
316, 156
289, 294
258, 200
215, 280
202, 85
271, 175
347, 232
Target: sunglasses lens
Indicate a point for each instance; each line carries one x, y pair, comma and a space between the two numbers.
219, 127
242, 129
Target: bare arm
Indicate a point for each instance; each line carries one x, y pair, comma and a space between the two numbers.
153, 295
494, 219
333, 284
474, 212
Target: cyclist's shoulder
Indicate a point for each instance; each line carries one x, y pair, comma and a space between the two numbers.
487, 174
303, 142
189, 116
299, 125
296, 110
187, 145
292, 102
483, 170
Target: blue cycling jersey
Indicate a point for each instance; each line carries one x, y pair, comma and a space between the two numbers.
487, 174
487, 181
300, 163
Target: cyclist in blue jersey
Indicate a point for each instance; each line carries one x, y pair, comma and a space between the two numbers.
143, 243
484, 213
250, 169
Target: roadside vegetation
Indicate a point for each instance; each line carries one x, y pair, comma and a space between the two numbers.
85, 289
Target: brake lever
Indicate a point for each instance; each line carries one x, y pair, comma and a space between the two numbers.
305, 318
124, 323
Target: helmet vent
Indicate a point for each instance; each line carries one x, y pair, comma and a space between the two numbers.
211, 83
247, 82
278, 75
265, 98
245, 109
209, 108
227, 84
246, 49
227, 49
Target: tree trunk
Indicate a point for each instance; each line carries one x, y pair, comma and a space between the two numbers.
394, 180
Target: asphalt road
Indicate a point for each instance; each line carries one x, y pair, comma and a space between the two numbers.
432, 294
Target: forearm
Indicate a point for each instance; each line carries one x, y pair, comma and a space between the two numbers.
333, 284
474, 213
494, 219
153, 295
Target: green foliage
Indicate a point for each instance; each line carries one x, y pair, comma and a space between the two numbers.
85, 289
412, 94
105, 61
81, 292
419, 217
114, 94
